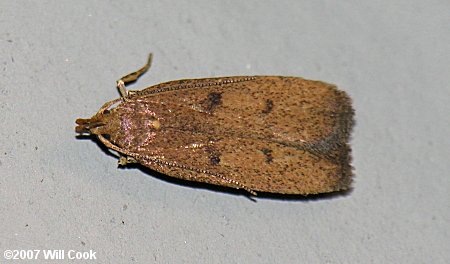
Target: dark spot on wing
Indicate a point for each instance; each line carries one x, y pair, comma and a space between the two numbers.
213, 154
269, 107
268, 154
212, 102
215, 160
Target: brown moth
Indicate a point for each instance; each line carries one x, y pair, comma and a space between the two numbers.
271, 134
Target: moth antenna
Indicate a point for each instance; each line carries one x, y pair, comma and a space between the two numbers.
114, 147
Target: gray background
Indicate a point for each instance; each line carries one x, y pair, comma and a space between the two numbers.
60, 60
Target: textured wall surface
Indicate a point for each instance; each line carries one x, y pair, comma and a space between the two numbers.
60, 60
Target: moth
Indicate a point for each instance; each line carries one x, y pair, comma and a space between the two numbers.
273, 134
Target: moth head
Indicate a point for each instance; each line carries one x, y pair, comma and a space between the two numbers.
94, 125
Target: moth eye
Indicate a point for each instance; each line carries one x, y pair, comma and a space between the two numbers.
106, 112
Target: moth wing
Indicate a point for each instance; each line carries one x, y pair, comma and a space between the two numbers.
287, 109
248, 163
267, 133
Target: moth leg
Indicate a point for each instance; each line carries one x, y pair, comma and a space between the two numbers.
124, 160
132, 77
